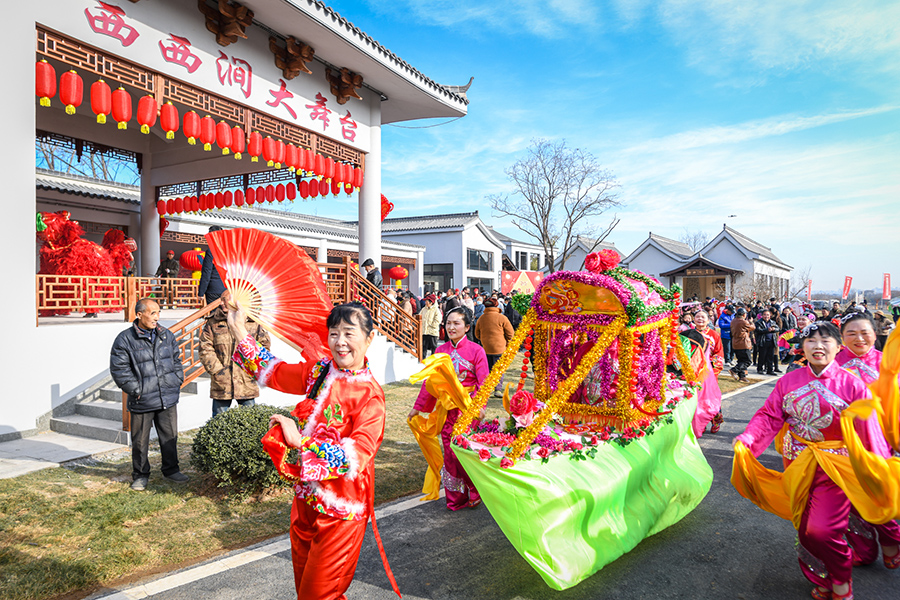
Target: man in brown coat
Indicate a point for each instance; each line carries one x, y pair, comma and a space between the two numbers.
741, 343
494, 331
229, 382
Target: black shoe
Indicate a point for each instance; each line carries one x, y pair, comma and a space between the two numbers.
734, 373
140, 484
178, 477
778, 371
772, 373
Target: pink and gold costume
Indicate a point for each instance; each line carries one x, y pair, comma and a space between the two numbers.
709, 398
470, 364
816, 490
865, 367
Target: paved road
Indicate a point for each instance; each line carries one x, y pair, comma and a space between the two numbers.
726, 548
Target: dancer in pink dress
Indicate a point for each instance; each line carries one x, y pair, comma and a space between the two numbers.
710, 396
810, 401
470, 363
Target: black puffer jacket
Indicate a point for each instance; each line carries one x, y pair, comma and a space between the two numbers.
210, 284
150, 373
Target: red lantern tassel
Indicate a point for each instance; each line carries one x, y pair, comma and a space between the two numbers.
44, 81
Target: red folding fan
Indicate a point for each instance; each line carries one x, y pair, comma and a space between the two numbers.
277, 284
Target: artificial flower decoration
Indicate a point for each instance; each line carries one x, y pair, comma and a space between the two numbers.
604, 260
522, 406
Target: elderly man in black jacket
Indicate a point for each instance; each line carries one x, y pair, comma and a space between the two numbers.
145, 362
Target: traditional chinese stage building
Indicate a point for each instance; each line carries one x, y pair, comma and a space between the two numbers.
290, 82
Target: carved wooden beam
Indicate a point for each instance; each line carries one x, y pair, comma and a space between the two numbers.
228, 21
344, 84
292, 59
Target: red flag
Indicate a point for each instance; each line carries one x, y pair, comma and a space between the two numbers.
886, 294
847, 281
809, 291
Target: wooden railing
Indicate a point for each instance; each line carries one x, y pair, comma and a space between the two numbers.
393, 322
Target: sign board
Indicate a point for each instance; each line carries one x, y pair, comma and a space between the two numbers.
847, 282
695, 272
524, 282
886, 292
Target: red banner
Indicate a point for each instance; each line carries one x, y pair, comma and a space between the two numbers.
809, 291
847, 281
886, 294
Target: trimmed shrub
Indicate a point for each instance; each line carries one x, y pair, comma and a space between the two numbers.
228, 447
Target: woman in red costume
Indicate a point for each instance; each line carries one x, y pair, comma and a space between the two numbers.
717, 361
341, 428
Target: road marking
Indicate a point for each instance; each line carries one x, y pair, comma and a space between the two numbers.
748, 388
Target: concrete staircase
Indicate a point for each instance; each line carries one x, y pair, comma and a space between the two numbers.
99, 416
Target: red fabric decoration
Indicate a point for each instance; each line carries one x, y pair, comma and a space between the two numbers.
279, 192
207, 132
303, 188
71, 91
168, 119
603, 260
290, 190
121, 107
178, 204
223, 137
239, 198
161, 207
101, 100
44, 81
191, 126
268, 151
192, 260
254, 146
386, 207
163, 225
323, 187
229, 197
146, 113
238, 141
251, 196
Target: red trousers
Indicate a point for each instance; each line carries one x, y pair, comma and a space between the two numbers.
324, 551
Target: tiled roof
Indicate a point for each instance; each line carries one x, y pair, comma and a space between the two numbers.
588, 243
80, 185
506, 238
753, 246
449, 221
673, 246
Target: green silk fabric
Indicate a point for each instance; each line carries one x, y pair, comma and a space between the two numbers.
569, 518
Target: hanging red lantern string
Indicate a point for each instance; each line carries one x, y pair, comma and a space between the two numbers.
191, 126
303, 188
179, 205
44, 81
238, 142
323, 187
292, 157
228, 198
254, 146
270, 193
207, 132
268, 151
168, 119
239, 198
313, 188
223, 137
220, 200
146, 113
101, 100
161, 207
251, 196
71, 91
170, 206
290, 190
121, 107
279, 192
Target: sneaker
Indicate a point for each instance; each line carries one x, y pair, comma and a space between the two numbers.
140, 484
178, 477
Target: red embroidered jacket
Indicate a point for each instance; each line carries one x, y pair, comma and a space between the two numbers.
342, 427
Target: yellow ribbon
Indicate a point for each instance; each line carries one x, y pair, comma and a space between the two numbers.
442, 383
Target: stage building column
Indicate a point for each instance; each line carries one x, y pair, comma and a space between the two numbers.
149, 243
370, 195
419, 285
322, 254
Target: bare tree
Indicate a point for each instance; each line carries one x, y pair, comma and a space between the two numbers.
97, 165
799, 284
558, 193
696, 239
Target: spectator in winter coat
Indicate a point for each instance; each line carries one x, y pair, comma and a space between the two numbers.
767, 339
145, 362
210, 284
431, 324
373, 275
494, 330
724, 324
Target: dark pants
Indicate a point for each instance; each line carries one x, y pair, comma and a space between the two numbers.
755, 354
492, 360
220, 406
727, 353
429, 344
166, 422
766, 358
743, 361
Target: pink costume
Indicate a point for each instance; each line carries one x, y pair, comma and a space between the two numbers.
471, 367
865, 367
811, 406
709, 398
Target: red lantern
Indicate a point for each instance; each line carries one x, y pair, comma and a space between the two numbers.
193, 204
229, 197
146, 113
270, 193
255, 146
279, 153
168, 119
268, 151
398, 273
319, 165
313, 188
290, 190
192, 260
335, 187
101, 100
179, 205
220, 200
348, 187
161, 207
304, 189
207, 132
44, 81
239, 198
305, 159
292, 157
251, 196
170, 206
191, 126
340, 172
279, 192
323, 187
71, 91
329, 168
223, 137
238, 141
121, 107
357, 177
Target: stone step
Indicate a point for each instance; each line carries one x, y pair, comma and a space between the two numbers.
91, 427
110, 410
112, 393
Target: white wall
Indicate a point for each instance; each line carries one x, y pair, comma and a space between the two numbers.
652, 262
440, 248
473, 238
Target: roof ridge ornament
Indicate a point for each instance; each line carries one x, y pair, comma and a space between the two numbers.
228, 21
293, 58
344, 84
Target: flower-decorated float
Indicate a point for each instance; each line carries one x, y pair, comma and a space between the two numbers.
601, 455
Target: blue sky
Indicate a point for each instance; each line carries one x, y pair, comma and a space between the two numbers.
786, 114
